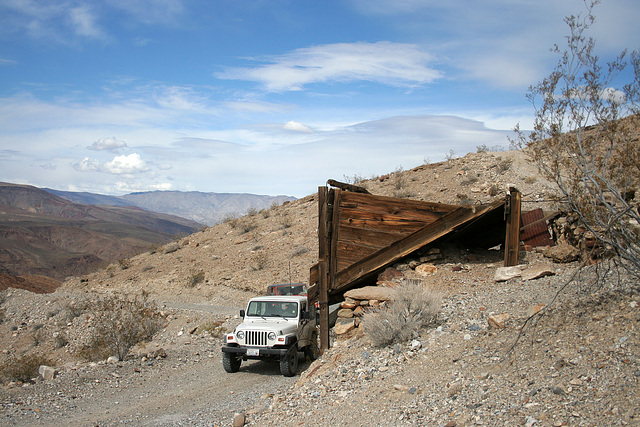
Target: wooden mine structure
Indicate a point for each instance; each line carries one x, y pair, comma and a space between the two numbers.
360, 234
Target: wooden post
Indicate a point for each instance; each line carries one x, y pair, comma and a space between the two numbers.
512, 240
323, 268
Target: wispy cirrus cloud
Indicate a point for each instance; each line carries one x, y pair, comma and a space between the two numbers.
394, 64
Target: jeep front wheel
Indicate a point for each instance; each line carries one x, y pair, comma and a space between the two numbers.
231, 362
289, 362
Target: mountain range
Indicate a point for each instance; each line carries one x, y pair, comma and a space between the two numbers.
204, 208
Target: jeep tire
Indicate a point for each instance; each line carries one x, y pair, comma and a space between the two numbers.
230, 362
312, 351
289, 362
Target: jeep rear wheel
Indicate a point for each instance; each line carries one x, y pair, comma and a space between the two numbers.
289, 362
312, 352
231, 362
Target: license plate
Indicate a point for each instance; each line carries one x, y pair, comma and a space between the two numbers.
253, 352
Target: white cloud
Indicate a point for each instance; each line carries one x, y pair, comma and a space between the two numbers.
395, 64
87, 165
111, 143
129, 164
297, 126
84, 22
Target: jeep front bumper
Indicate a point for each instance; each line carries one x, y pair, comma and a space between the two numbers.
257, 352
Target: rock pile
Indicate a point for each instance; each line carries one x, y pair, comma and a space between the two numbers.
356, 302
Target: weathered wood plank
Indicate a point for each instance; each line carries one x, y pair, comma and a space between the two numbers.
349, 254
325, 281
387, 223
411, 209
388, 255
512, 239
368, 237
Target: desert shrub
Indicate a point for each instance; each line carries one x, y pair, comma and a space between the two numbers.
493, 190
469, 181
60, 340
355, 179
259, 261
414, 308
195, 278
450, 155
22, 368
504, 165
213, 328
117, 324
299, 250
245, 224
231, 219
285, 221
38, 335
124, 263
252, 211
171, 247
585, 137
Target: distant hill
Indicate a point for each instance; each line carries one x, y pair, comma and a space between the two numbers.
205, 208
43, 234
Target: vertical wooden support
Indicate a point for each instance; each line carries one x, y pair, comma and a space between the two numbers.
512, 216
323, 268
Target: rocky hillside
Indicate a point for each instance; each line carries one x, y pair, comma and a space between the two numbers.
576, 365
204, 208
279, 244
46, 235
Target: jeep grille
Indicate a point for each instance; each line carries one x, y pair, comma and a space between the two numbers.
256, 338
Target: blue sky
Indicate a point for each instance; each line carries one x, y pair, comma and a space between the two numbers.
269, 97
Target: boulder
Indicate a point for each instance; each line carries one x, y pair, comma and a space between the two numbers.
47, 372
505, 273
239, 420
562, 253
498, 321
371, 293
537, 271
343, 326
426, 269
345, 313
390, 274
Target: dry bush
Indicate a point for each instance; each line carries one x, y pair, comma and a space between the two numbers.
299, 250
195, 278
259, 261
117, 324
214, 328
22, 368
414, 308
285, 221
585, 138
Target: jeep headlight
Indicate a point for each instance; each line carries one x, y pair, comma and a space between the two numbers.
272, 335
240, 335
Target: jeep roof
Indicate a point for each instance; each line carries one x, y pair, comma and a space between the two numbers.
298, 298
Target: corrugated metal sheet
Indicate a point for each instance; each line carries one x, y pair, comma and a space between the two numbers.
536, 234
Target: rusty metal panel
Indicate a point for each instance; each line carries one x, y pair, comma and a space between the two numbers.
535, 231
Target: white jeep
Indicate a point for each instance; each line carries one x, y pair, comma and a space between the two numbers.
277, 327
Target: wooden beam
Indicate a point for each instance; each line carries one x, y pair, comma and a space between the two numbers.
348, 187
512, 241
401, 248
323, 258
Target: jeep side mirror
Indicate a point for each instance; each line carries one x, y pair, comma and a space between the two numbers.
242, 313
305, 315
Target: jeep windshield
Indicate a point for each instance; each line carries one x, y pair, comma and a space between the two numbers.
272, 309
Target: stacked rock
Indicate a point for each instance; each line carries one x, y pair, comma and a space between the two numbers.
355, 304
